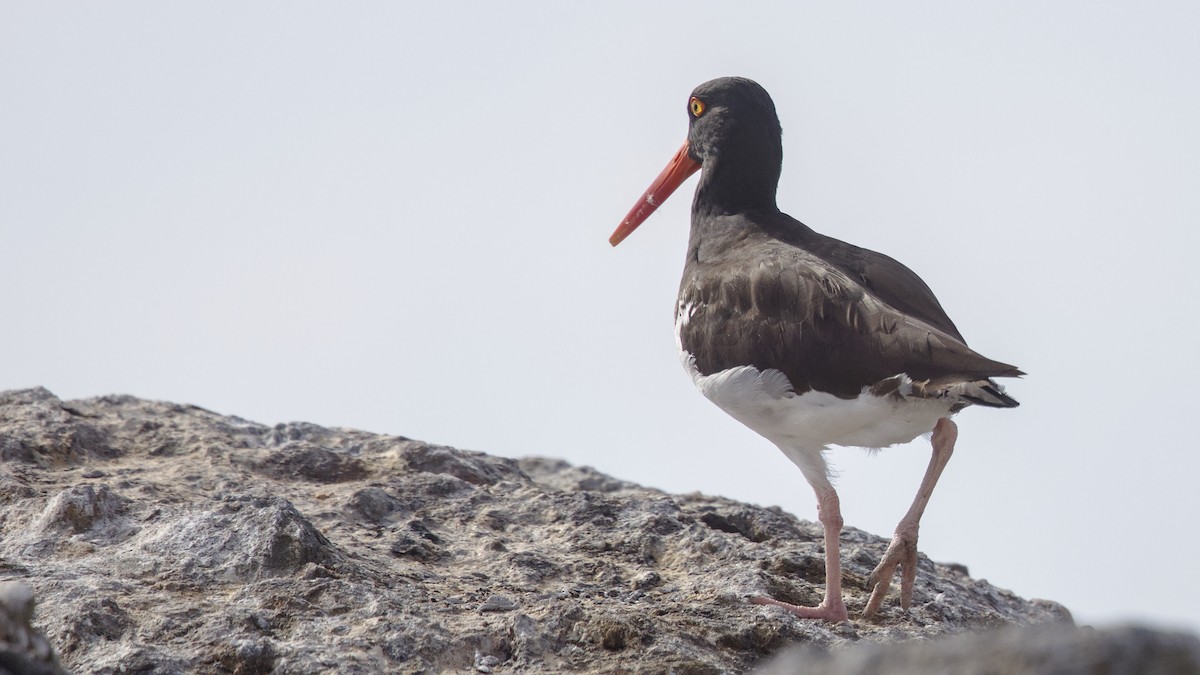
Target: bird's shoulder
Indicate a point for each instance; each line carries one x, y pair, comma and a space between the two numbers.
781, 267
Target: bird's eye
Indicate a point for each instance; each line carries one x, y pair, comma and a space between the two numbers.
696, 106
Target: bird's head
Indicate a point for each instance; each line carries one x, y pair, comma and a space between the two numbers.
731, 115
734, 134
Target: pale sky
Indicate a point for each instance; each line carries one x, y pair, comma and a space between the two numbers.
394, 217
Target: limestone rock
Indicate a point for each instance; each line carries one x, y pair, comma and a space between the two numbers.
167, 538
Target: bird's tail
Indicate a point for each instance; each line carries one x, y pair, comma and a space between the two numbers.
981, 392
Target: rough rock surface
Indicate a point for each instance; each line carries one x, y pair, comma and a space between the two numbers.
166, 538
1060, 649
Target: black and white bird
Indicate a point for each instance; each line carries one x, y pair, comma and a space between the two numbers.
807, 340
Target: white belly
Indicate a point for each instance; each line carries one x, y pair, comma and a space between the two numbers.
765, 402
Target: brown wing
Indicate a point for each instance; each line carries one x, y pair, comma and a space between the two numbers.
789, 309
885, 277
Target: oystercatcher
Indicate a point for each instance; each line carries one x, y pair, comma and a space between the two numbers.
808, 340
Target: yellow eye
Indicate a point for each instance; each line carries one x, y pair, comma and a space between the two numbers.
696, 106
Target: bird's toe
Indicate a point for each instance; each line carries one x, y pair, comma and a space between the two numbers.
831, 611
901, 553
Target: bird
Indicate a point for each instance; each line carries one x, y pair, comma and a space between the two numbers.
809, 341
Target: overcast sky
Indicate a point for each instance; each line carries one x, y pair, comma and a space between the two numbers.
394, 217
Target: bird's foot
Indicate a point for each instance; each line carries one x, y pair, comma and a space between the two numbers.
901, 553
826, 611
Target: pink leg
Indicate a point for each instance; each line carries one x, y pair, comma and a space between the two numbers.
829, 512
902, 552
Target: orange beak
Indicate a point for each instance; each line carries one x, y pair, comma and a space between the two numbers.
679, 169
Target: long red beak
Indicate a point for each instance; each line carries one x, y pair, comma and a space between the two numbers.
679, 169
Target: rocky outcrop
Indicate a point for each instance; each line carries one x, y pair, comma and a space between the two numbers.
166, 538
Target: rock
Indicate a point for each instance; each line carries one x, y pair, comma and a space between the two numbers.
23, 649
1060, 649
497, 603
47, 432
167, 538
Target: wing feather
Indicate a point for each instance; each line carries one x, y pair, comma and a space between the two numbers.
789, 309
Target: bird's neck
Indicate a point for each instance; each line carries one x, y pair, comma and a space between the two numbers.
737, 183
